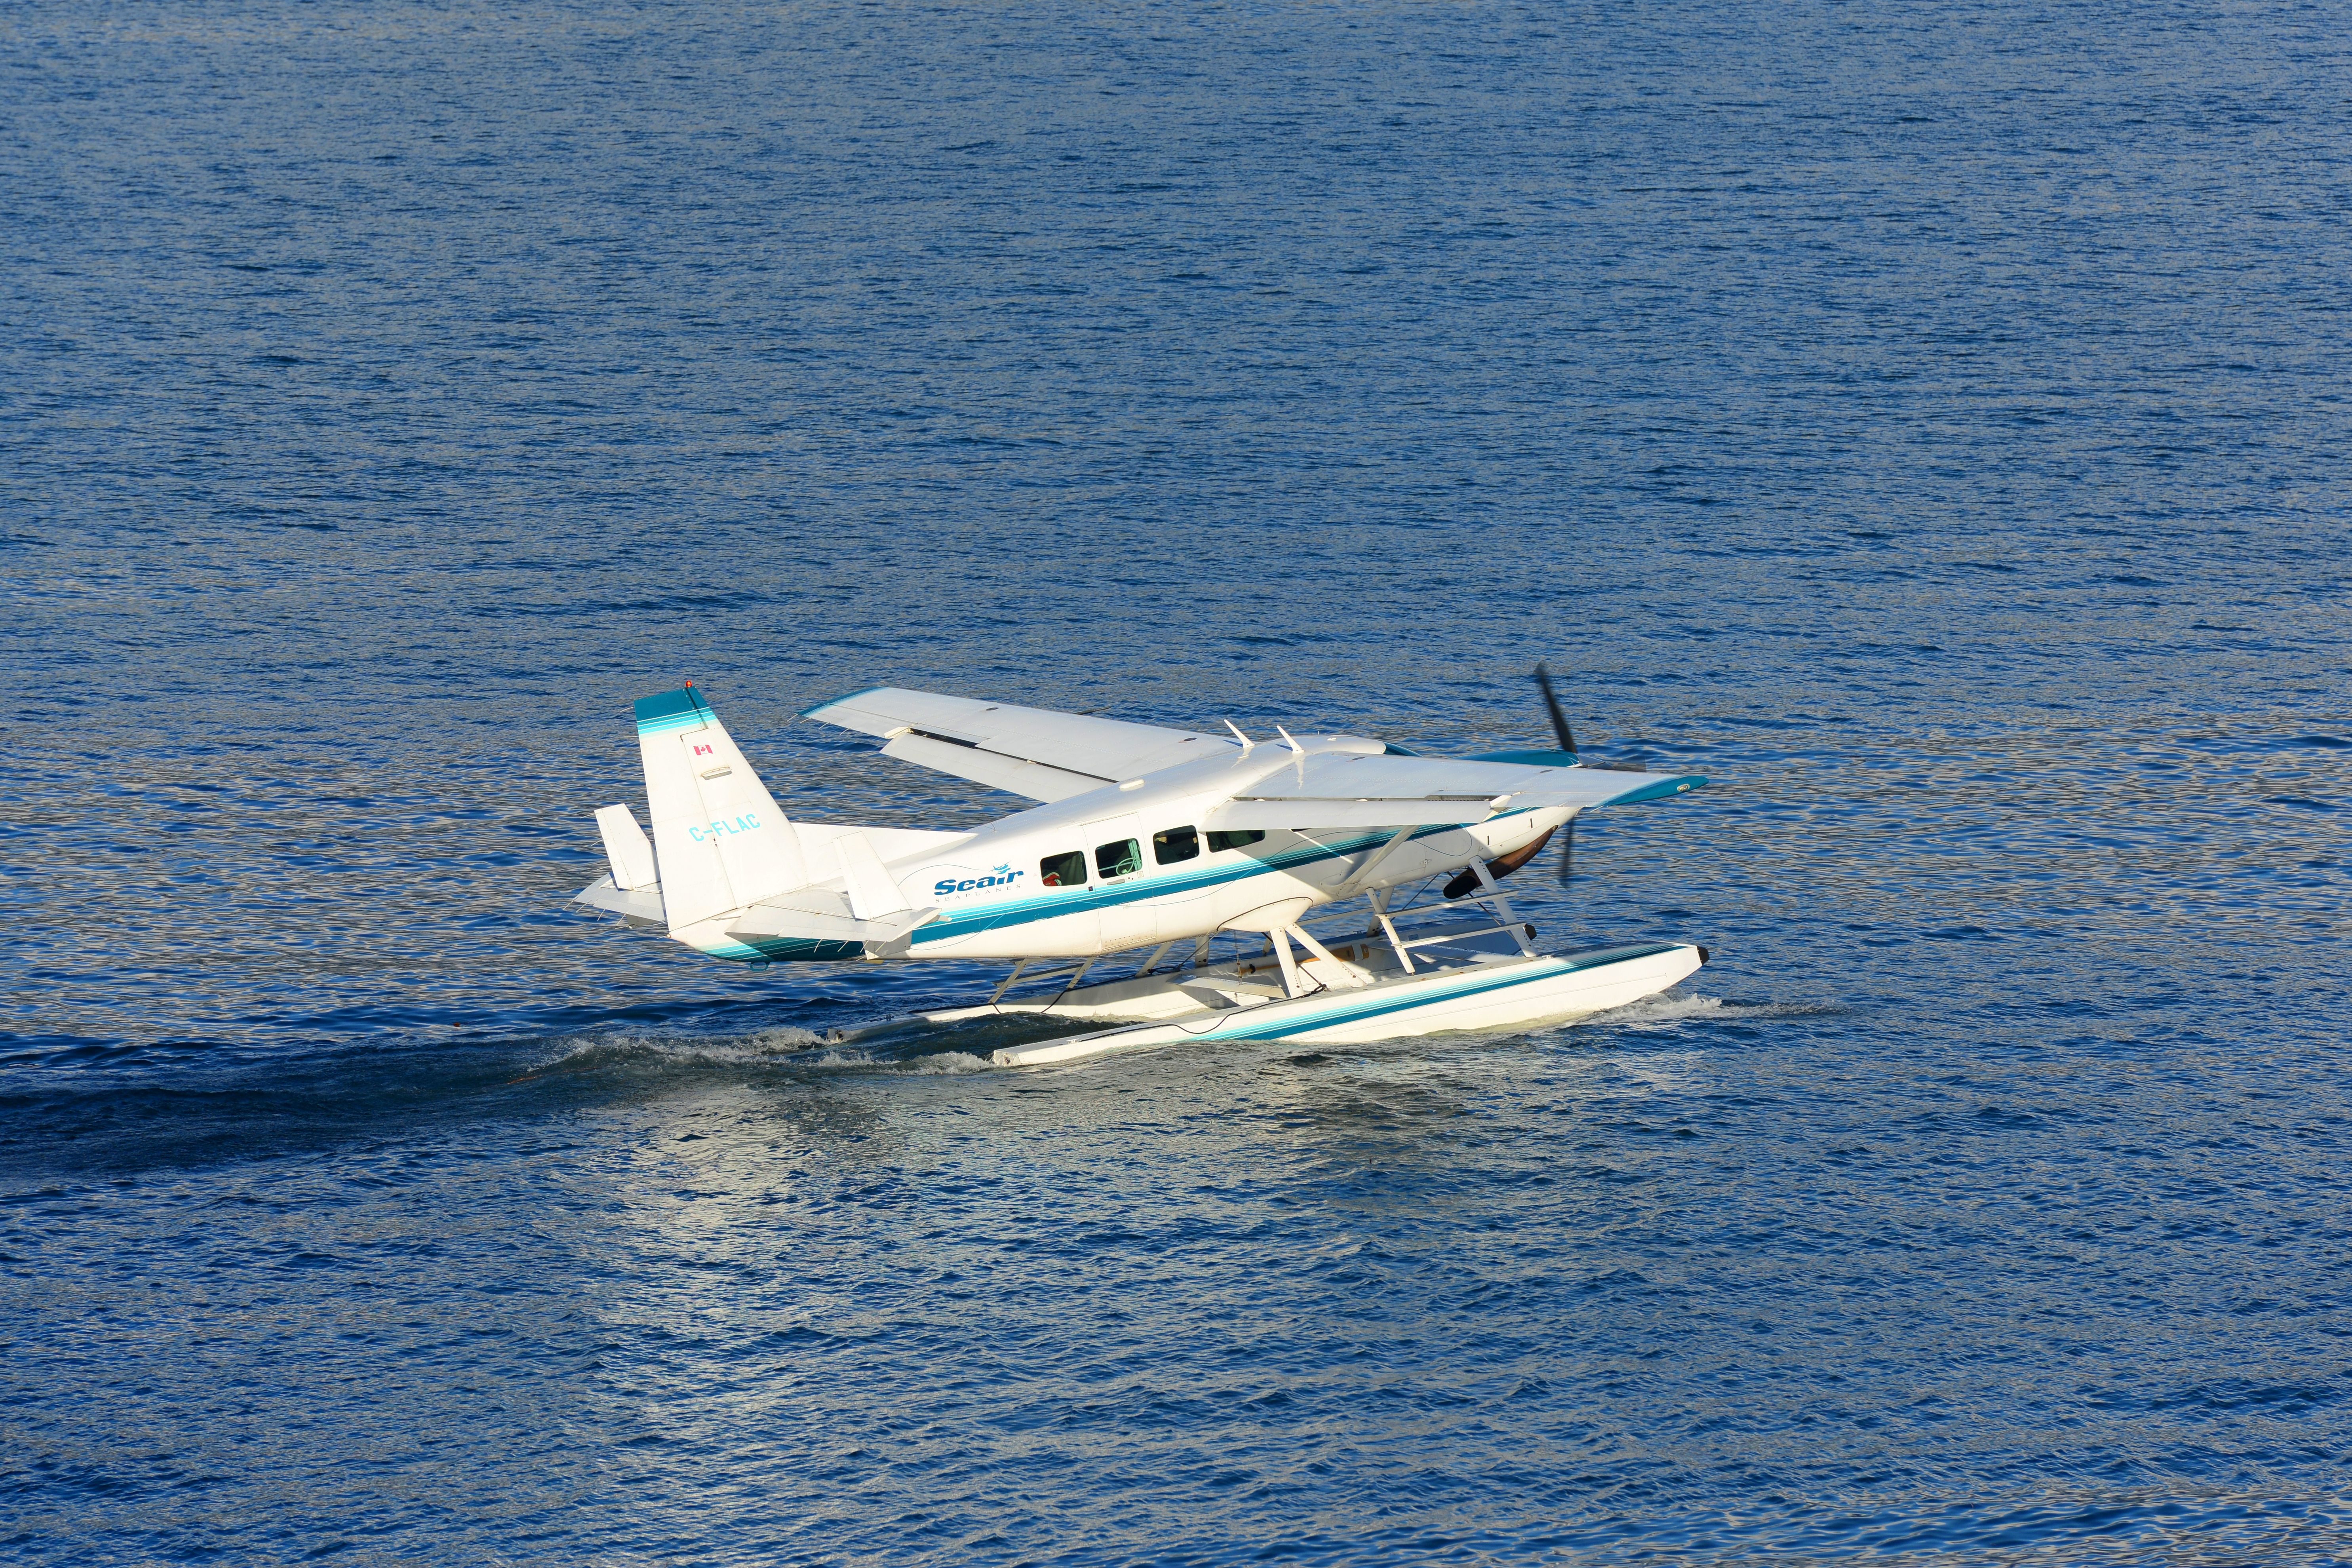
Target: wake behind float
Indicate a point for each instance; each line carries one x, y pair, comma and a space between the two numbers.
1244, 837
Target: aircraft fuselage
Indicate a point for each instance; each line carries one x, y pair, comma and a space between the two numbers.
1135, 863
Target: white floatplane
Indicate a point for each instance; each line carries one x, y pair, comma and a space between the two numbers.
1145, 839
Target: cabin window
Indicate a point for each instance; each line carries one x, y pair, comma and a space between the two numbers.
1232, 840
1063, 870
1175, 844
1123, 859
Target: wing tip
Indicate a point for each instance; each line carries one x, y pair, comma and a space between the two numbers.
1665, 788
818, 712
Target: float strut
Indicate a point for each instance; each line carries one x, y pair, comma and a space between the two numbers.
997, 994
1396, 942
1290, 976
1073, 986
1502, 908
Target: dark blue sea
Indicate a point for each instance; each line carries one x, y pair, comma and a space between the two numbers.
1933, 424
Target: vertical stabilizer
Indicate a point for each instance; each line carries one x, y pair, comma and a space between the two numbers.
718, 838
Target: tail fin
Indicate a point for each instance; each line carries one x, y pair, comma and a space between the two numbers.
720, 839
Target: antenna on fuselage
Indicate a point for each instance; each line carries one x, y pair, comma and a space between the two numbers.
1297, 753
1244, 740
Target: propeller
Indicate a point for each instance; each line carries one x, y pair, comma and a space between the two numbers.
1637, 762
1558, 716
1466, 880
1567, 743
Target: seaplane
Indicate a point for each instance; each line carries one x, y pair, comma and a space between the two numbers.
1148, 841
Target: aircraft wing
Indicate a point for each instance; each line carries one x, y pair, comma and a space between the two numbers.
1030, 751
1390, 790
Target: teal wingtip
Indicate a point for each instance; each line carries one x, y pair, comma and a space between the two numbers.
1664, 789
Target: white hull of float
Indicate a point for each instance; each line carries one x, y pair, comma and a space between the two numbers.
1463, 977
1496, 992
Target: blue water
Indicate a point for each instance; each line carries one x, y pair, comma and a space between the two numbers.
1930, 424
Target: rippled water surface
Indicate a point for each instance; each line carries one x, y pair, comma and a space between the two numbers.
1932, 426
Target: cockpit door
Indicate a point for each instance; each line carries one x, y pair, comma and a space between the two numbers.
1118, 852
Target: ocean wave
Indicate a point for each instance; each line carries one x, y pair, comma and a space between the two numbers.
1669, 1010
784, 1047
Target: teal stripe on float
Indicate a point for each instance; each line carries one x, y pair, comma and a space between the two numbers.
1377, 1008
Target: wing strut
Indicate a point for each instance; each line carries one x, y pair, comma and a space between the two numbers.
1363, 873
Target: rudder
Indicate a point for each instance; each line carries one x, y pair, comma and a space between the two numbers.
719, 837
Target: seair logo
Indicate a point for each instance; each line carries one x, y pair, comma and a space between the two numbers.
1003, 876
711, 833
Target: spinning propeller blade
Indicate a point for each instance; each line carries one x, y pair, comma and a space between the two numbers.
1567, 743
1466, 882
1637, 763
1558, 715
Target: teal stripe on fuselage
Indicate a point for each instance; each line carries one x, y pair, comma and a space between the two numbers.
1074, 900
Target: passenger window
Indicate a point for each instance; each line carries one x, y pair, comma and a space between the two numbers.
1176, 844
1232, 840
1063, 870
1120, 860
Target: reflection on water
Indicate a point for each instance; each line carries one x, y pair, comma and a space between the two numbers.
697, 1285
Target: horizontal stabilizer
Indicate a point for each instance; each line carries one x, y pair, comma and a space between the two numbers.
639, 906
804, 918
